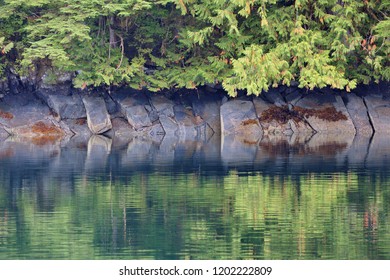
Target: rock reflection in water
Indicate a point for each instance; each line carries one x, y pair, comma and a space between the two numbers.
282, 197
291, 153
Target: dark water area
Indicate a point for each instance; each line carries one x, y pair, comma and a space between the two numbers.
323, 197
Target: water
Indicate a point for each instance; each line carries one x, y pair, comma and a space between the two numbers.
110, 199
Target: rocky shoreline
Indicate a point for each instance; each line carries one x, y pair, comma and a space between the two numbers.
57, 112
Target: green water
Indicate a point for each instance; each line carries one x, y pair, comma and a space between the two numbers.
190, 203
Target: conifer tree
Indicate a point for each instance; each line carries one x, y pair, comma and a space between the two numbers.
249, 45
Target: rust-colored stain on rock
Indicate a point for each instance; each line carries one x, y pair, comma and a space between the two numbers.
249, 122
6, 115
283, 114
45, 129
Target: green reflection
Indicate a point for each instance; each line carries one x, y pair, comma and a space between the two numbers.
193, 216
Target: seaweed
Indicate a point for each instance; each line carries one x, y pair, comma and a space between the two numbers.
283, 114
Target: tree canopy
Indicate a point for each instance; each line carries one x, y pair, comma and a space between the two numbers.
249, 45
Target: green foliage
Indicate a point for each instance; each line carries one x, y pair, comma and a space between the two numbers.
247, 45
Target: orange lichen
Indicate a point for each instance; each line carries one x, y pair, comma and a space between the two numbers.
46, 129
283, 114
249, 122
6, 115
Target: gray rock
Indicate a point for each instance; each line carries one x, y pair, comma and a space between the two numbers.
67, 107
121, 128
208, 109
78, 127
260, 105
186, 122
379, 111
98, 118
163, 105
239, 118
31, 120
359, 115
274, 97
321, 101
165, 112
133, 106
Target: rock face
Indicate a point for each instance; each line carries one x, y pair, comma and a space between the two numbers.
238, 118
186, 122
133, 107
67, 107
378, 107
358, 112
328, 114
208, 109
39, 129
284, 113
163, 108
98, 118
280, 119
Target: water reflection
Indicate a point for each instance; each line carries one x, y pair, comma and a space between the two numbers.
320, 197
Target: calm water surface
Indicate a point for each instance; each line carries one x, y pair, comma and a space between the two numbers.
110, 199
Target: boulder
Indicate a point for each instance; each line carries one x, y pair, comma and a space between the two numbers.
358, 113
186, 121
208, 109
98, 118
78, 127
378, 107
133, 106
238, 117
326, 114
164, 109
121, 128
31, 120
67, 107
